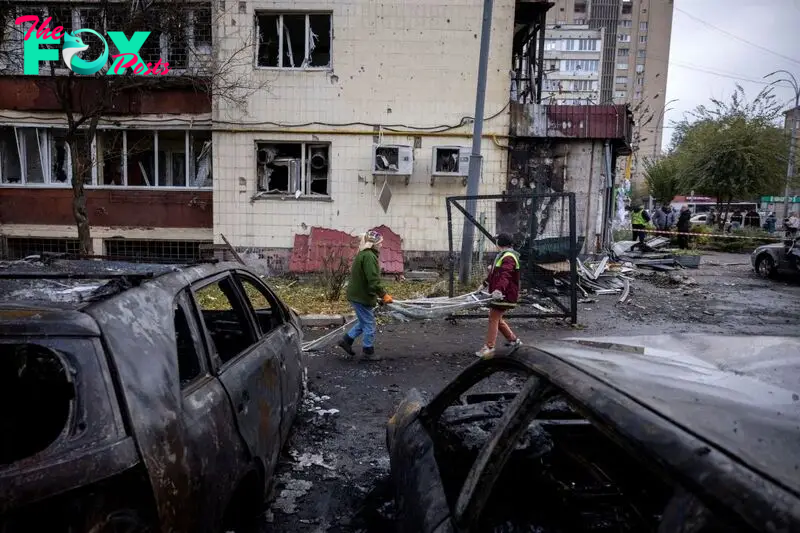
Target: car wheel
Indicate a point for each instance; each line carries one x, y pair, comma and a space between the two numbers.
765, 266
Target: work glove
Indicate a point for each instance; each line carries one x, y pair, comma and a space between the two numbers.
387, 299
497, 295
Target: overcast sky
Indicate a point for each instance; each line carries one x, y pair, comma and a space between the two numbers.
697, 47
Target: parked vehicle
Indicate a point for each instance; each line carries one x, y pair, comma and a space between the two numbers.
770, 260
141, 396
665, 433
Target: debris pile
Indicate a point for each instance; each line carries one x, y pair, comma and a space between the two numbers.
604, 277
651, 255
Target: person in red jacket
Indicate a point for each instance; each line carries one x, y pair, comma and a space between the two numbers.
503, 283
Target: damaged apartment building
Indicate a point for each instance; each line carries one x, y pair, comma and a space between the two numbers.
148, 189
341, 117
366, 121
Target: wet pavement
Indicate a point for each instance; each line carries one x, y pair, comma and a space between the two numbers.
334, 475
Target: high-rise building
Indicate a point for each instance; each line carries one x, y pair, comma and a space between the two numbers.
573, 56
635, 60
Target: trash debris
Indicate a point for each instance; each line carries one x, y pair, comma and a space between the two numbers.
604, 277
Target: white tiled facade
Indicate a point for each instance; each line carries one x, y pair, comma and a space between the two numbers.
410, 64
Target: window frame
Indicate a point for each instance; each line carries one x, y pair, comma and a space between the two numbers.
281, 35
305, 174
217, 363
238, 276
76, 22
184, 301
189, 164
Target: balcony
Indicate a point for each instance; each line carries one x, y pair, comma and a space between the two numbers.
606, 122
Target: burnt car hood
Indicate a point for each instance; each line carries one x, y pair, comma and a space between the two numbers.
741, 395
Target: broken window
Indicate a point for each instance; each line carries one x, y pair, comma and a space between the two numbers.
319, 40
200, 159
263, 305
225, 319
202, 27
171, 158
294, 40
60, 158
188, 360
293, 168
110, 150
36, 395
141, 158
10, 168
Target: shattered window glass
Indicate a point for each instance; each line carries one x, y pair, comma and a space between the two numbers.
10, 168
268, 40
171, 159
60, 158
225, 319
319, 41
294, 40
294, 37
109, 150
200, 159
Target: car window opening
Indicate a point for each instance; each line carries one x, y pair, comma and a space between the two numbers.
564, 475
36, 396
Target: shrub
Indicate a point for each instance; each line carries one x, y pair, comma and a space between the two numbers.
335, 270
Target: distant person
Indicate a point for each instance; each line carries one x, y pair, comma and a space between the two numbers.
639, 220
672, 217
684, 226
503, 282
752, 219
364, 291
793, 225
737, 219
771, 222
711, 219
660, 218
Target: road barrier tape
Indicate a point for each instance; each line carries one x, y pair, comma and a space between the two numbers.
661, 232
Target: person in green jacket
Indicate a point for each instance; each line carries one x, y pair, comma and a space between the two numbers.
364, 292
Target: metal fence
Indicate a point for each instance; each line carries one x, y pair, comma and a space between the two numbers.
544, 230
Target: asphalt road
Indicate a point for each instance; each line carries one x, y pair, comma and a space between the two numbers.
333, 477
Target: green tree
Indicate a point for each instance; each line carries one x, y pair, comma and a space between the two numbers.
663, 178
732, 150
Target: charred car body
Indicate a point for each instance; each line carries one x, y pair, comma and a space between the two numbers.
634, 435
141, 397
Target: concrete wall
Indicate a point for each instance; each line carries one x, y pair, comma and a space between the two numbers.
552, 166
412, 65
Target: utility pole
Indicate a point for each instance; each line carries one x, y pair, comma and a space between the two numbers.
476, 160
793, 116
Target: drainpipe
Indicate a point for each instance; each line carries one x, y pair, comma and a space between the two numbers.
609, 196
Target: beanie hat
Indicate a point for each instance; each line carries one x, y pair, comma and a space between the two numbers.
504, 240
373, 237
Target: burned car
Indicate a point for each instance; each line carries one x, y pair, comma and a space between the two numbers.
666, 434
141, 397
770, 260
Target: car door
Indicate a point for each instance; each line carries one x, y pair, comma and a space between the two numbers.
274, 324
214, 449
248, 365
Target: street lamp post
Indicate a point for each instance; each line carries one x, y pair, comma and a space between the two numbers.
791, 80
658, 124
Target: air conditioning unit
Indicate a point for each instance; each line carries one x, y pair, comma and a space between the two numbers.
392, 160
450, 161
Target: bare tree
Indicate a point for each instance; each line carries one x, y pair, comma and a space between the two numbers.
208, 68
